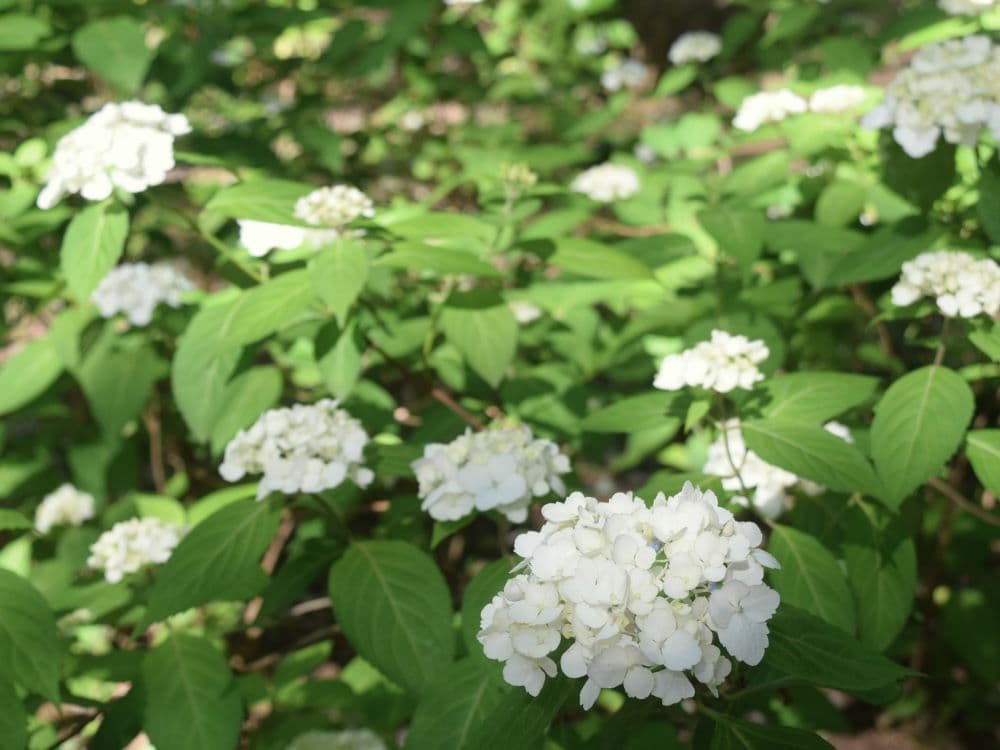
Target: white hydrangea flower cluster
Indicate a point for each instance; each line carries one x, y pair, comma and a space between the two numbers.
961, 285
330, 209
949, 89
65, 505
641, 593
966, 7
722, 363
695, 46
768, 106
742, 470
135, 290
128, 145
607, 182
501, 468
837, 99
131, 545
302, 448
345, 739
627, 74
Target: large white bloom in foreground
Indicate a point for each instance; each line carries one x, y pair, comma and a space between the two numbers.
695, 46
720, 364
303, 448
768, 106
961, 285
329, 209
950, 89
128, 145
966, 7
607, 182
135, 289
502, 468
345, 739
131, 545
66, 505
641, 594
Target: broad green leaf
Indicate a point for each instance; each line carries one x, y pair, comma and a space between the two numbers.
883, 253
192, 701
118, 381
439, 225
520, 721
804, 647
115, 49
630, 414
883, 587
417, 257
920, 181
988, 205
815, 396
13, 717
27, 374
246, 397
338, 274
810, 577
487, 583
812, 453
91, 247
595, 260
207, 506
19, 31
987, 340
983, 449
260, 200
340, 365
159, 506
13, 520
394, 607
455, 706
818, 249
30, 648
739, 232
919, 423
484, 330
219, 560
730, 733
840, 203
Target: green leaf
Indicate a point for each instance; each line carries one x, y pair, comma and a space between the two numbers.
595, 260
919, 424
13, 520
883, 587
730, 733
840, 203
455, 706
444, 529
340, 365
630, 414
192, 702
338, 274
115, 49
484, 330
30, 648
246, 397
882, 254
219, 560
920, 181
440, 225
260, 200
988, 205
739, 232
395, 609
810, 577
520, 721
13, 717
988, 341
118, 381
804, 647
91, 247
816, 396
983, 449
19, 31
442, 260
487, 583
27, 374
812, 453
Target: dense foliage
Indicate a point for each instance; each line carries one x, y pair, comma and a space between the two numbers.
319, 317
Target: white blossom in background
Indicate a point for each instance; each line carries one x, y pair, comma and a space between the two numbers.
837, 99
768, 106
742, 470
722, 363
525, 312
695, 46
502, 468
607, 182
135, 290
649, 598
131, 545
344, 739
329, 209
302, 448
950, 89
966, 7
627, 74
961, 285
128, 145
65, 506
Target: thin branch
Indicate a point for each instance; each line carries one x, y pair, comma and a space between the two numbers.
963, 502
439, 393
151, 420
